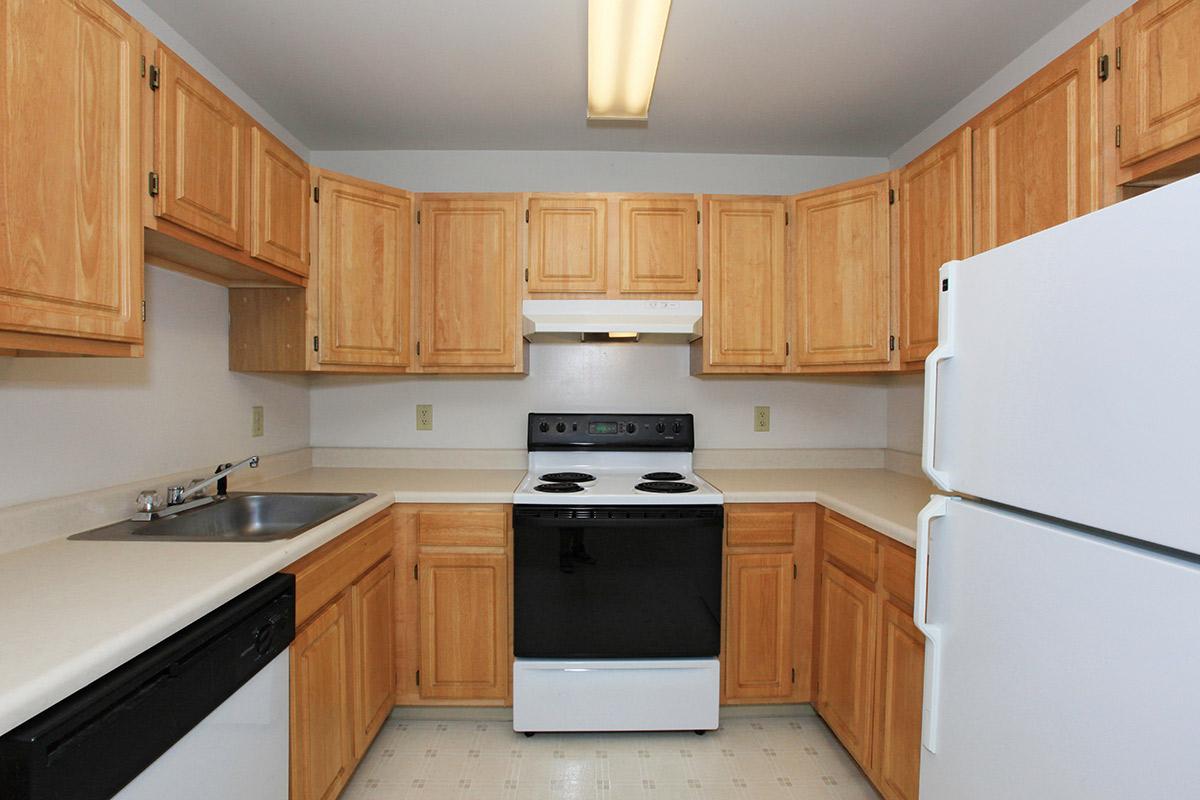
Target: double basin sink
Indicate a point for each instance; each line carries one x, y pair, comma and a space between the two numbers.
238, 517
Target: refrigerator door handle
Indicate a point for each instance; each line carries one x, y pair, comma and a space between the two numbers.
943, 351
936, 507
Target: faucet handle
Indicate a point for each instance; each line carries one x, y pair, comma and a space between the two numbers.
174, 495
148, 501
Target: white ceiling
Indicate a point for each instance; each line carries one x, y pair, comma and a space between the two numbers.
820, 77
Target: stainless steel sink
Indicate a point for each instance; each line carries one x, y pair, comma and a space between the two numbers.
240, 517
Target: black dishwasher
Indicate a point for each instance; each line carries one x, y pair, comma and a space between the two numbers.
93, 743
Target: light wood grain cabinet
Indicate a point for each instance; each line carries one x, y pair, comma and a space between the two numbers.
280, 193
1160, 78
846, 666
568, 244
899, 685
1038, 152
745, 309
322, 734
71, 179
935, 227
373, 603
658, 245
364, 273
842, 274
470, 309
201, 142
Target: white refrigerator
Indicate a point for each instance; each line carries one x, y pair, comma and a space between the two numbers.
1058, 588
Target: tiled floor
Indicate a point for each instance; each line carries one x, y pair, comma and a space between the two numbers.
760, 758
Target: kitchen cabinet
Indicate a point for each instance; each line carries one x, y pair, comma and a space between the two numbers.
1159, 70
658, 245
71, 180
934, 195
470, 308
280, 191
842, 274
342, 659
1038, 151
846, 666
568, 244
767, 646
745, 308
202, 138
899, 685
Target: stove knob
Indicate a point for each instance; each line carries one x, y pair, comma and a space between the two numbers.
544, 426
661, 428
560, 427
676, 427
631, 427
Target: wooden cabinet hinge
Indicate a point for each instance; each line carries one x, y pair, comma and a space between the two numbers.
891, 343
787, 348
155, 78
697, 217
143, 66
316, 194
416, 574
787, 218
418, 216
698, 274
527, 274
793, 674
418, 347
316, 344
527, 216
1117, 59
152, 186
143, 311
1102, 68
1117, 137
794, 572
418, 677
891, 197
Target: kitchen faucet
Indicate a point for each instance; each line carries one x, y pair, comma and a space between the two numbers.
149, 506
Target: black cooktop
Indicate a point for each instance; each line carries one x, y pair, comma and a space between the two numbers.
665, 487
566, 477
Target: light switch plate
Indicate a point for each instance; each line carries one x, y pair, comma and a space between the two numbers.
762, 419
424, 416
256, 421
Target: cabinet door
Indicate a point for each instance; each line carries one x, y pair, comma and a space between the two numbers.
322, 736
745, 317
374, 604
758, 647
1038, 151
469, 306
846, 666
1160, 77
658, 245
279, 199
365, 271
70, 171
464, 626
897, 748
568, 244
935, 227
200, 152
843, 275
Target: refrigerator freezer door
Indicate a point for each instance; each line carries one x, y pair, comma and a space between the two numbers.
1067, 663
1067, 376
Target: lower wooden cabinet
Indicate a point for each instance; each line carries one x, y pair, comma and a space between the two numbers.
342, 660
871, 658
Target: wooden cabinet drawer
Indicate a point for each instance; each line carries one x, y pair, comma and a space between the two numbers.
458, 528
898, 572
325, 573
760, 527
850, 545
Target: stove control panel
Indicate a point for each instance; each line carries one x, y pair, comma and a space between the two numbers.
611, 432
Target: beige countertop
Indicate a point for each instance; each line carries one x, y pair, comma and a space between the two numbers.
74, 610
884, 501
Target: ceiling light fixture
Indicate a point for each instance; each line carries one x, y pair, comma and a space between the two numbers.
625, 39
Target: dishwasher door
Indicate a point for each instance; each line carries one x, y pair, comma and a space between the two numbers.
239, 751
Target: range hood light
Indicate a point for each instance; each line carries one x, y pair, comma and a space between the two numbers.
625, 39
622, 334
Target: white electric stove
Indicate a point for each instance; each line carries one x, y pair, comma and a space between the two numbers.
617, 577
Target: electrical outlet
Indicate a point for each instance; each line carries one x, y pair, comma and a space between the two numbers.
424, 417
762, 419
256, 421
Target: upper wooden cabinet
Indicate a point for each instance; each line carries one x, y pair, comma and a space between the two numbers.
658, 245
568, 244
842, 262
200, 151
745, 309
935, 227
364, 273
71, 179
1037, 151
279, 203
1160, 77
470, 309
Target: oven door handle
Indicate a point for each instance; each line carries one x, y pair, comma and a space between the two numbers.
591, 666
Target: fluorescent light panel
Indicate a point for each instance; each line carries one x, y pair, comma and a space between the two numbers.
625, 39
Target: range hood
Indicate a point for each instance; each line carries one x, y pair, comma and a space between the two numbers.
611, 320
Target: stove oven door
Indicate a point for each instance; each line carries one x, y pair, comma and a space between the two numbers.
617, 581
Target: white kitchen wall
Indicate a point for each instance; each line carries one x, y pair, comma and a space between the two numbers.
1073, 29
491, 412
905, 400
75, 424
